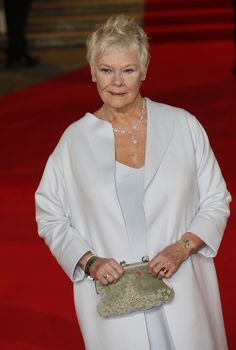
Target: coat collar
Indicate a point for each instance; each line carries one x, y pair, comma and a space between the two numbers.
160, 128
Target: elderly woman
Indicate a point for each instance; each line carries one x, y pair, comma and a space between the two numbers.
136, 178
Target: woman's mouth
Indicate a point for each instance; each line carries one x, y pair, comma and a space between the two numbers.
113, 93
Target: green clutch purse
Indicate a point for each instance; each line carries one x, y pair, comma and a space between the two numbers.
136, 290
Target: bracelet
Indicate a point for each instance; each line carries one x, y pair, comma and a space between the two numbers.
188, 244
89, 263
84, 264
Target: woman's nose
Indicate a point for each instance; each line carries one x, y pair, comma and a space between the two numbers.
118, 79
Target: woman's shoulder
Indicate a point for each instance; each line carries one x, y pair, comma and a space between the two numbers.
78, 126
168, 111
78, 130
176, 117
75, 133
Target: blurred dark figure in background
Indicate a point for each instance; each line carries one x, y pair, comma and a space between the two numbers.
16, 12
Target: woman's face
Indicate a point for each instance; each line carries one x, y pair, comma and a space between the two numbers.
118, 75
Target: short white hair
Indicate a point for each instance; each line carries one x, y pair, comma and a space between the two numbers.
118, 32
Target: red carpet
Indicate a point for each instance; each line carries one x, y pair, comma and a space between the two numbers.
188, 20
36, 297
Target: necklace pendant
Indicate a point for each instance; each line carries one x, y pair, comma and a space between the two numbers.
135, 141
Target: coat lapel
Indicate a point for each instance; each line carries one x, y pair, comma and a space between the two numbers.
159, 134
102, 144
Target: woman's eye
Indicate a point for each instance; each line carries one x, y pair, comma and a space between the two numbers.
128, 70
106, 70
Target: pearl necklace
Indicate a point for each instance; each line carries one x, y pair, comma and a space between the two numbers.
131, 131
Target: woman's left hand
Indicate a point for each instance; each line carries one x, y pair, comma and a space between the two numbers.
167, 262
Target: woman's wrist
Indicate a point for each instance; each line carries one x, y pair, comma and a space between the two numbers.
84, 259
191, 243
87, 261
91, 261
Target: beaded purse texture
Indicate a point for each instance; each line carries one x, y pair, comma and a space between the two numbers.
136, 290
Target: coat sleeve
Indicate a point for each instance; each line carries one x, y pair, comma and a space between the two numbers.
54, 224
213, 197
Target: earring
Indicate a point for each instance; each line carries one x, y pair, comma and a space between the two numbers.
93, 79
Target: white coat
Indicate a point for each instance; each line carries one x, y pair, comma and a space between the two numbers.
78, 210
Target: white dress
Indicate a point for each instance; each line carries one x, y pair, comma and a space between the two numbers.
130, 191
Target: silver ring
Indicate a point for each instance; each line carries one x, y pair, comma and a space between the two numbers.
107, 276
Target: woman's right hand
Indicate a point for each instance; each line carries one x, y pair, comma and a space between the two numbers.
105, 270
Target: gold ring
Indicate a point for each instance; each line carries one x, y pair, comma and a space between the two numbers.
164, 269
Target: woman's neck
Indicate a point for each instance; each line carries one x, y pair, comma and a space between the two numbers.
123, 117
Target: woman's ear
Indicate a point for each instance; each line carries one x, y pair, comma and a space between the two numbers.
143, 77
93, 74
145, 70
